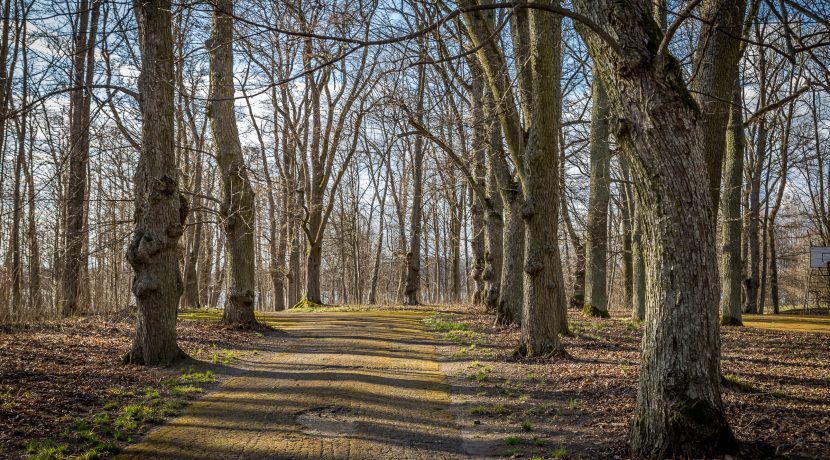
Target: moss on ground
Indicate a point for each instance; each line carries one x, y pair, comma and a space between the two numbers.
592, 311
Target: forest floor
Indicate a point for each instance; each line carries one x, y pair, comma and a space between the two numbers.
776, 378
64, 392
356, 382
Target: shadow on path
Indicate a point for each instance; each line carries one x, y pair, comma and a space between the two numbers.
351, 385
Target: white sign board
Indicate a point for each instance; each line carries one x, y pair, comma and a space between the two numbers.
819, 256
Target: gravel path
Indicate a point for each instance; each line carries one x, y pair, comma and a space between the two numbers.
351, 385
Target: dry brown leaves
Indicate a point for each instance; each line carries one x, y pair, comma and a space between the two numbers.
776, 392
54, 371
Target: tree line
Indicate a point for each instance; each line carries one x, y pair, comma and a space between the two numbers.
664, 158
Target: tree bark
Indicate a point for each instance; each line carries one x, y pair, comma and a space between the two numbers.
237, 207
715, 71
75, 259
679, 411
413, 257
596, 239
478, 210
544, 293
731, 261
160, 210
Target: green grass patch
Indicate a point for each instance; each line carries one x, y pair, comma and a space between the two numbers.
211, 314
736, 383
492, 411
191, 376
559, 452
45, 449
223, 357
513, 441
526, 426
185, 390
441, 322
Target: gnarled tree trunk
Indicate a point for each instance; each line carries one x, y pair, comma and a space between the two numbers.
160, 210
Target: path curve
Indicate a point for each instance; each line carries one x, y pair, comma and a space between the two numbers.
351, 385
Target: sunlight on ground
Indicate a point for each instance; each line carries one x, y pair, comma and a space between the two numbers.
792, 323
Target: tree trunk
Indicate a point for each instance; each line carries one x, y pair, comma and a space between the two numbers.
627, 219
544, 293
160, 210
191, 297
679, 411
237, 207
293, 275
716, 69
511, 295
731, 261
478, 218
413, 257
75, 259
596, 240
493, 244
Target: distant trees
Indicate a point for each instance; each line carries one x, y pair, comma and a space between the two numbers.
75, 257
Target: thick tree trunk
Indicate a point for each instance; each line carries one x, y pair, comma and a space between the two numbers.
731, 262
596, 239
314, 262
679, 410
160, 210
544, 290
237, 207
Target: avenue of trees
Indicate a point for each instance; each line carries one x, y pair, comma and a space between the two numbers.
667, 159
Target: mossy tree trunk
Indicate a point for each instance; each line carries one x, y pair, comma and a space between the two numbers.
160, 210
679, 411
596, 238
237, 207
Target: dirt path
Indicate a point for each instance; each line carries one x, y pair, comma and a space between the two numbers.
352, 385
